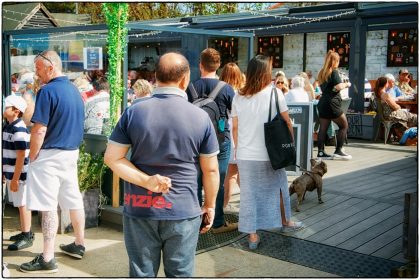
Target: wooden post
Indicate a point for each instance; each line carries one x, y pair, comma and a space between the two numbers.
115, 190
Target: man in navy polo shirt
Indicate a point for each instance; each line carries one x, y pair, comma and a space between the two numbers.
54, 150
161, 210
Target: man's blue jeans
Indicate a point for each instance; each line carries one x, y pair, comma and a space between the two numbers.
146, 239
223, 159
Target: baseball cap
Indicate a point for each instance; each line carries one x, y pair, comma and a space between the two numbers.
403, 71
16, 101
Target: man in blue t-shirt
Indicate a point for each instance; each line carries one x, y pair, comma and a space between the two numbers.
209, 63
54, 151
161, 210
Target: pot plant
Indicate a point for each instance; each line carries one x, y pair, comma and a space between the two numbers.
91, 170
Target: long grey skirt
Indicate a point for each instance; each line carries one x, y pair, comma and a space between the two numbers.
260, 196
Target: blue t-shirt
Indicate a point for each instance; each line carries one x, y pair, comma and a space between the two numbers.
224, 99
15, 137
164, 141
60, 108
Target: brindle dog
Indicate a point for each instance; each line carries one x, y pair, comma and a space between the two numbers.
309, 181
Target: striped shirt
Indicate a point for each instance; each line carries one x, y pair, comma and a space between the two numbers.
15, 137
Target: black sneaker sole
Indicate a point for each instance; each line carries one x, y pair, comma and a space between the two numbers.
39, 271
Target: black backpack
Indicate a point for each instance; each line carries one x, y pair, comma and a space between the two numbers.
208, 104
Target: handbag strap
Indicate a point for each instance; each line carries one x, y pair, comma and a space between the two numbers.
276, 97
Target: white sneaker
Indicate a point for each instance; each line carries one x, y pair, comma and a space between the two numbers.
229, 209
342, 155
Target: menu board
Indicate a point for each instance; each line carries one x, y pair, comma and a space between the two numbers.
402, 47
340, 43
228, 49
272, 47
92, 58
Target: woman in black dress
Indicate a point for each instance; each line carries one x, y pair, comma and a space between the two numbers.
329, 106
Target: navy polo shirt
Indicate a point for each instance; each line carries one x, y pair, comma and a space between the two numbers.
167, 135
204, 87
60, 108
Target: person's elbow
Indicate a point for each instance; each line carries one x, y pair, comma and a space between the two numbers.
108, 158
209, 165
113, 154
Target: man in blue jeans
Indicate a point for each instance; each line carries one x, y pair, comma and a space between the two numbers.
161, 210
209, 63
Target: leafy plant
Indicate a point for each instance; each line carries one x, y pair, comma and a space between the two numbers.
116, 15
91, 169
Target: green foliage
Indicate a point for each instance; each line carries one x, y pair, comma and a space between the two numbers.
116, 15
64, 7
91, 169
94, 9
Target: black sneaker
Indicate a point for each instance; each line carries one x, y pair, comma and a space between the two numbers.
38, 265
323, 155
16, 237
73, 250
342, 155
22, 243
21, 235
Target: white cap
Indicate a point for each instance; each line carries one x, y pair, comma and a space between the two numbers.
16, 101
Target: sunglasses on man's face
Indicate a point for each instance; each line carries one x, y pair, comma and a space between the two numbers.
44, 57
280, 82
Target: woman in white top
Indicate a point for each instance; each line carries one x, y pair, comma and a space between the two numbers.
260, 183
297, 93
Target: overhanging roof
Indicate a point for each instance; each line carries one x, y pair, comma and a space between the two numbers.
26, 16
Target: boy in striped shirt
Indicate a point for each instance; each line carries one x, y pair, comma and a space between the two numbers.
15, 163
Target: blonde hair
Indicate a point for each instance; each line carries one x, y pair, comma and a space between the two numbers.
330, 60
232, 75
142, 88
308, 86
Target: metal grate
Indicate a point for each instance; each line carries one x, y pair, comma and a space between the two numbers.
319, 256
210, 241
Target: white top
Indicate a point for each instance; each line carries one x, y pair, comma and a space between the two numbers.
252, 113
297, 95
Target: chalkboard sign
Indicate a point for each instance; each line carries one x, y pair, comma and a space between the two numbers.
301, 115
272, 47
402, 47
340, 43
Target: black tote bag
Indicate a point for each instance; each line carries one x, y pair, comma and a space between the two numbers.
278, 140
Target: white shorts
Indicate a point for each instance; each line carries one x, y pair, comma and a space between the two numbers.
52, 179
17, 198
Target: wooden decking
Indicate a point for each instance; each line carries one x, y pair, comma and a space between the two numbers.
363, 198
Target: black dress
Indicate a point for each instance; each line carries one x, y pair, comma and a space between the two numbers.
329, 105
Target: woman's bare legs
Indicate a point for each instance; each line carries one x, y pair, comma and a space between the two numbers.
231, 180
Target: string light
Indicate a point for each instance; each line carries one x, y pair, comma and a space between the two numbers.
41, 17
98, 36
309, 20
102, 36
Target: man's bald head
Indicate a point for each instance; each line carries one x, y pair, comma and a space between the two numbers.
172, 68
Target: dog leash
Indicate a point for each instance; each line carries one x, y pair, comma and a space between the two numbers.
301, 168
